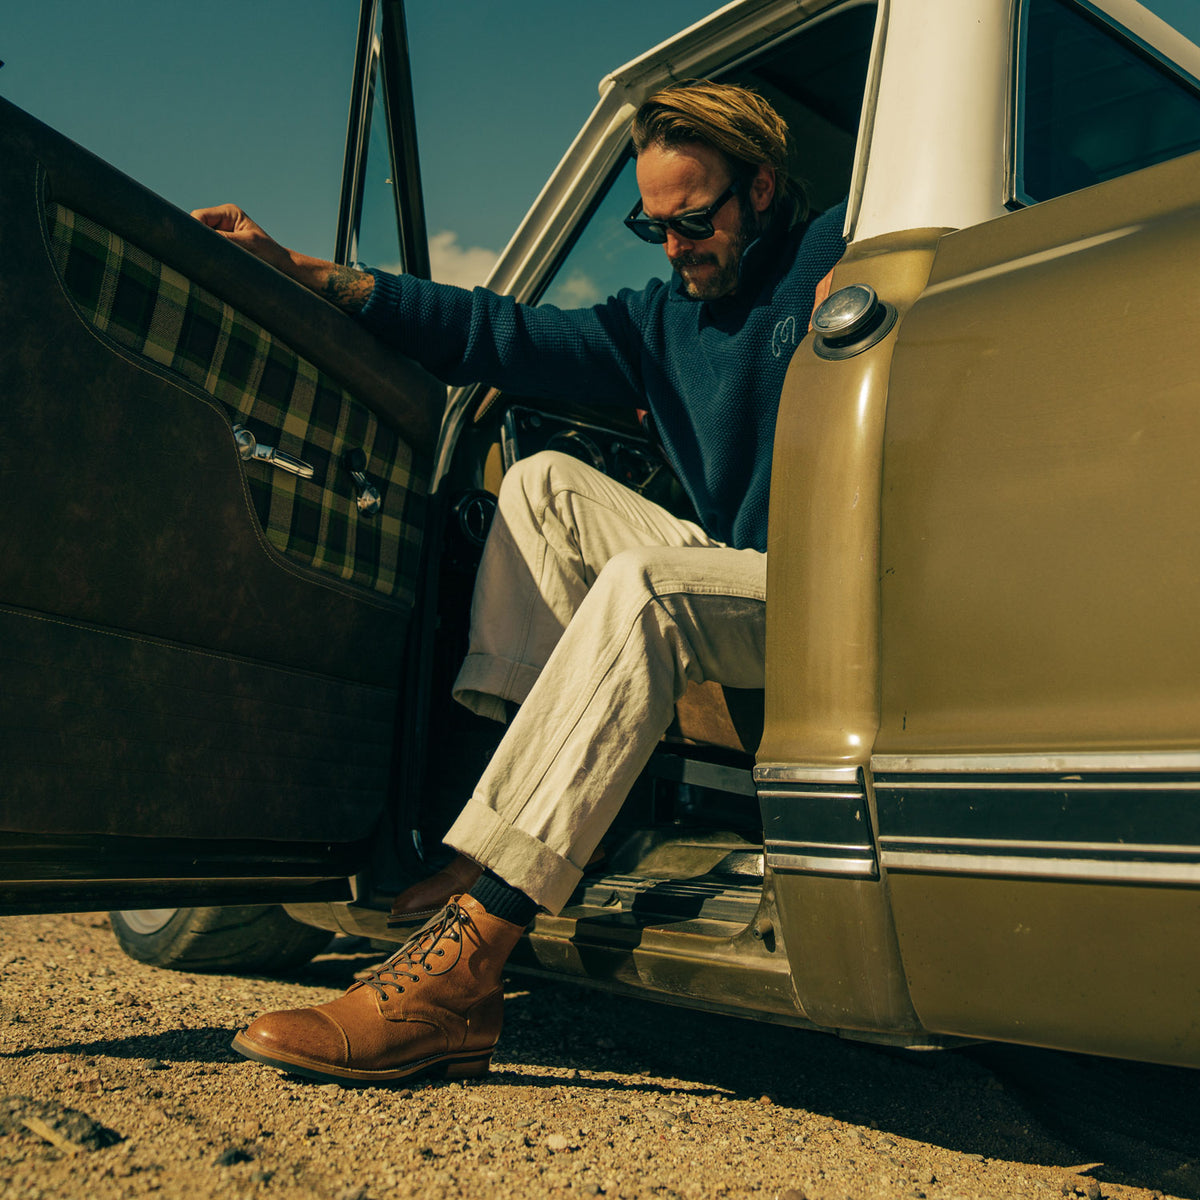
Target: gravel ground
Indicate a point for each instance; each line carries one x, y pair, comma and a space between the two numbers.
116, 1080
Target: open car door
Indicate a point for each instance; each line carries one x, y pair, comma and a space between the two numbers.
214, 488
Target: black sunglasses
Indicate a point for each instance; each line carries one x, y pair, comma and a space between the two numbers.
695, 226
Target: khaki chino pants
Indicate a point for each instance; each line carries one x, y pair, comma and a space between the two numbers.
593, 609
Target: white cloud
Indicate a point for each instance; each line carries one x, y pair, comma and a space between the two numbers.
451, 263
578, 290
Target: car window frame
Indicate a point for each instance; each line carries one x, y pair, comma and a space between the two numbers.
1015, 197
382, 84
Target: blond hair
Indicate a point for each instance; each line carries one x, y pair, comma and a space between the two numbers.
736, 122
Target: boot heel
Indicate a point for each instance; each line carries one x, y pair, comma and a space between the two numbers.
468, 1068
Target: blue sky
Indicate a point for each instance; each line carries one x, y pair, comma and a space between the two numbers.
246, 100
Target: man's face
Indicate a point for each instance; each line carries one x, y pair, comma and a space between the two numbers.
688, 178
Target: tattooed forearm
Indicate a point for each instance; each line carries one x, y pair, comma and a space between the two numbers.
347, 288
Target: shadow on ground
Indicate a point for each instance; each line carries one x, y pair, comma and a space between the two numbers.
1126, 1123
1139, 1122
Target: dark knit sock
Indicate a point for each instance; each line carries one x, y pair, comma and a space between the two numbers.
503, 901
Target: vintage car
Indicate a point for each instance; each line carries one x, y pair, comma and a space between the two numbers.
239, 541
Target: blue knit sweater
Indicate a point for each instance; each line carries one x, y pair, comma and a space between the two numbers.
710, 373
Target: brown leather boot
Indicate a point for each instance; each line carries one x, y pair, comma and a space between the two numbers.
436, 1006
426, 898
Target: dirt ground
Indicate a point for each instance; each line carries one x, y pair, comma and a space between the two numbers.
116, 1080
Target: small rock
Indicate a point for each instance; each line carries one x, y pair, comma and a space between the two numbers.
403, 1094
262, 1176
973, 1157
793, 1194
351, 1193
664, 1116
1091, 1189
54, 1123
764, 1099
233, 1156
557, 1143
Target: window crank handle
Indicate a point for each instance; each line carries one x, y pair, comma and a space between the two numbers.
369, 499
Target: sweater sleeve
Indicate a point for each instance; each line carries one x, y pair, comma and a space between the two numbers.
478, 336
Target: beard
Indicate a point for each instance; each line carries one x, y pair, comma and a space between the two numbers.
724, 279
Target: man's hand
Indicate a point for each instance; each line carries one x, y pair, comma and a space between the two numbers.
233, 224
343, 286
821, 295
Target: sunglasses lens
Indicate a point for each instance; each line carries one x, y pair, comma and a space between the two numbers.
696, 229
654, 232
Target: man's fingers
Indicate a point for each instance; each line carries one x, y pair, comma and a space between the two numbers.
232, 224
821, 294
225, 218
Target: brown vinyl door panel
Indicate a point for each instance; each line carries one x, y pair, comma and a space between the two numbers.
193, 646
1035, 769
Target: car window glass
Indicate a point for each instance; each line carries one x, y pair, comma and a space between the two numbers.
816, 82
1093, 104
606, 256
378, 240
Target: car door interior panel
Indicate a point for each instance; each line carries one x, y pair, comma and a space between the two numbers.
215, 493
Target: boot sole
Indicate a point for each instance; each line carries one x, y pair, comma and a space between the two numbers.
448, 1066
413, 920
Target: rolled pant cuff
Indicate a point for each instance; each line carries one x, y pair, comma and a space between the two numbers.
520, 859
485, 682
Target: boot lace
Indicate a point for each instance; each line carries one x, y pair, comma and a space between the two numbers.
415, 955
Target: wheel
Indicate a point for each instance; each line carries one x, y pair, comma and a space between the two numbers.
259, 938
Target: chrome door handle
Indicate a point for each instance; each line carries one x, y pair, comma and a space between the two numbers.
249, 447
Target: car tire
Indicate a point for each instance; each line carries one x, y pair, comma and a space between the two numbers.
258, 938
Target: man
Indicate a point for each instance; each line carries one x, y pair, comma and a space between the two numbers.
593, 608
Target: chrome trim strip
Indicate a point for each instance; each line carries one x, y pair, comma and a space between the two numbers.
1055, 784
810, 864
1125, 848
790, 773
802, 793
1090, 870
1152, 761
861, 847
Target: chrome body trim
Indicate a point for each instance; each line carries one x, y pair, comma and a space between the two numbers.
1082, 870
1058, 783
813, 864
1118, 848
816, 820
1152, 760
1121, 818
789, 773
